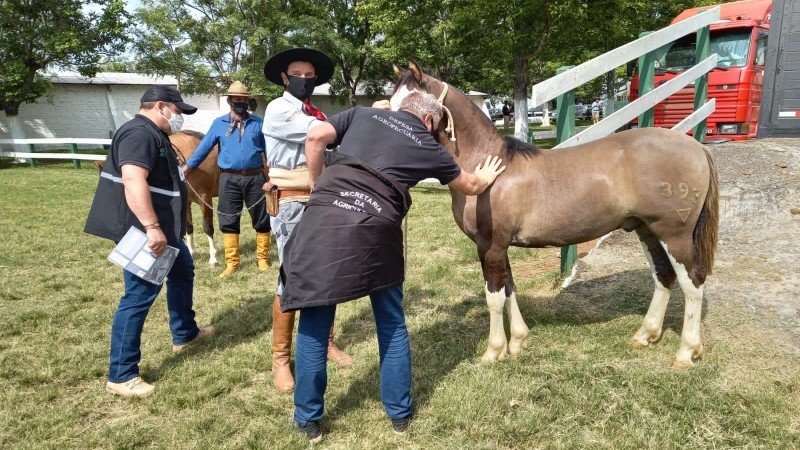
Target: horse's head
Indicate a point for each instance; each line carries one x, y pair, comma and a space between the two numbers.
412, 79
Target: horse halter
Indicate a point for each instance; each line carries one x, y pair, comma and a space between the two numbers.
451, 129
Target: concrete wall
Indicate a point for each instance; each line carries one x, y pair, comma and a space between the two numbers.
85, 111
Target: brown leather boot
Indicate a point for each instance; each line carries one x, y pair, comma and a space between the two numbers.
262, 251
336, 355
282, 328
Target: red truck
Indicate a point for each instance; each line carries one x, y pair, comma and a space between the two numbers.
739, 39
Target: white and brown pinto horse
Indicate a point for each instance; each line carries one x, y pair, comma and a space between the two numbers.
660, 183
205, 183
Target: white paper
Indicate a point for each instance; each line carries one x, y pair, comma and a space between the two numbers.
144, 260
133, 255
131, 243
118, 259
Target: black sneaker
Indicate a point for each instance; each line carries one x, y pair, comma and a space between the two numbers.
312, 430
401, 425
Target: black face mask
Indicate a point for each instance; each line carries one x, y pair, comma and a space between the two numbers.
240, 108
300, 87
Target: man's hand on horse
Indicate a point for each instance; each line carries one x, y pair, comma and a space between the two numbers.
186, 169
490, 169
382, 104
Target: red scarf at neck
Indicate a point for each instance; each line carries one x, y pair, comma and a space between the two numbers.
312, 110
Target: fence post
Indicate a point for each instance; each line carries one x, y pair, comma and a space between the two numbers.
647, 70
565, 129
74, 149
702, 50
32, 149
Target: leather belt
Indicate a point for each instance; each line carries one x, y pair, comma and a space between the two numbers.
243, 173
283, 193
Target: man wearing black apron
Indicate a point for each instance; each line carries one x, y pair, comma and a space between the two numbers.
349, 243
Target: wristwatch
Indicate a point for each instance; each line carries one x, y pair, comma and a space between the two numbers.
152, 226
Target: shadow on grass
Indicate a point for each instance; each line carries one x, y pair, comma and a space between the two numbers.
438, 349
604, 299
235, 325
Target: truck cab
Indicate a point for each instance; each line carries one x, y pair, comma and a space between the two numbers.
739, 39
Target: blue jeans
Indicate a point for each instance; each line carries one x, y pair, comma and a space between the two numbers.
311, 370
126, 330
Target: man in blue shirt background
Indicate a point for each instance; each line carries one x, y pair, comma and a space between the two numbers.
241, 162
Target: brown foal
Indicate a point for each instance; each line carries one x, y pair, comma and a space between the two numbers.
659, 183
205, 181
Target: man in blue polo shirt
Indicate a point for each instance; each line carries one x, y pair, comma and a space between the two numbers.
241, 161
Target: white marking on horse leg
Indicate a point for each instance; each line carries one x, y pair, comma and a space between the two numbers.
519, 331
212, 252
190, 242
398, 97
691, 346
650, 331
497, 345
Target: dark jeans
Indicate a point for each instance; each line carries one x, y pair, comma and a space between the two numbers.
393, 347
234, 190
126, 330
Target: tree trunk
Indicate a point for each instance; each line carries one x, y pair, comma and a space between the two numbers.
521, 86
15, 130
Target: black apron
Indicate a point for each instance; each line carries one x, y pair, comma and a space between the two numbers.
110, 216
349, 242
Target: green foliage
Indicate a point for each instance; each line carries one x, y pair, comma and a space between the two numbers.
37, 35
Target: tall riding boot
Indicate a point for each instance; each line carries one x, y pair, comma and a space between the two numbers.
336, 355
282, 328
231, 241
262, 251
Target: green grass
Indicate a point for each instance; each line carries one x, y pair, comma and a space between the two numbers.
579, 384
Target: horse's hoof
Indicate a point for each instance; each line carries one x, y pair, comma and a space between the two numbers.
515, 347
643, 338
492, 355
681, 364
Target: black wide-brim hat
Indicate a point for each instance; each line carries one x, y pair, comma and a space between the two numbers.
323, 66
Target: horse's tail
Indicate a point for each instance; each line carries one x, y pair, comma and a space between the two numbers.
707, 227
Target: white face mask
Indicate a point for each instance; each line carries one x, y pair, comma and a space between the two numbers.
175, 122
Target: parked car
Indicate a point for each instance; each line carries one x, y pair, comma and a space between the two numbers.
536, 114
495, 113
583, 112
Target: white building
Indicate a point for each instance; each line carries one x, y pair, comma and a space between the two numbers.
79, 107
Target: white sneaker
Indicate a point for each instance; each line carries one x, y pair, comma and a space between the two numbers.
135, 387
205, 333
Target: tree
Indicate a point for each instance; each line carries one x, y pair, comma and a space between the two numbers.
343, 32
36, 35
207, 44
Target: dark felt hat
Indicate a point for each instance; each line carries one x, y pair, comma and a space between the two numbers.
323, 66
156, 93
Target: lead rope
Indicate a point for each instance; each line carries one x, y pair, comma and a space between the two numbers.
179, 155
451, 129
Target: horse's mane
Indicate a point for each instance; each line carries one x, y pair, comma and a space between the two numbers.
195, 134
516, 147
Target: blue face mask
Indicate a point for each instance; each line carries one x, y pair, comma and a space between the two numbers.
300, 87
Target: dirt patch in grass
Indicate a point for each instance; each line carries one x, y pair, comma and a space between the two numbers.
753, 295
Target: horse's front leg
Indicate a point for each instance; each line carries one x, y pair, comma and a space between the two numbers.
208, 228
494, 273
518, 328
189, 238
